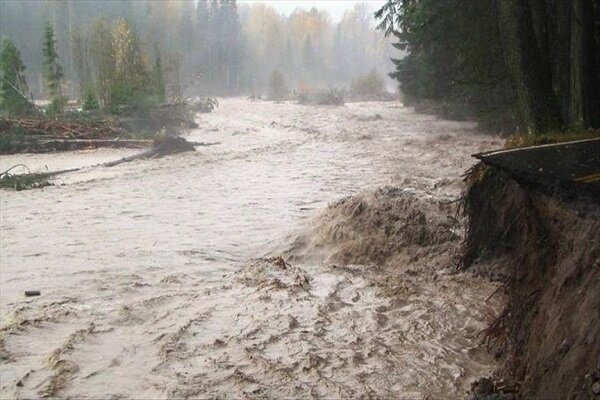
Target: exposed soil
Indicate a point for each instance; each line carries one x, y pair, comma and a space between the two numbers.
546, 250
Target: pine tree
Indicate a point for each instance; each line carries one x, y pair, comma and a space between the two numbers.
202, 42
102, 52
230, 47
213, 45
90, 100
81, 59
277, 87
308, 54
54, 72
159, 80
13, 87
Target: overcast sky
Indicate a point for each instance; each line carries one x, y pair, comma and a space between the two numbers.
335, 8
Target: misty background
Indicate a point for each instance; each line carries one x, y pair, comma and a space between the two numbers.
204, 47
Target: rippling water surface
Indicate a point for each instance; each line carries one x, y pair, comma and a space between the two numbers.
143, 266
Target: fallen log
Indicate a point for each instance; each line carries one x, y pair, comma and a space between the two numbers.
93, 143
45, 144
161, 147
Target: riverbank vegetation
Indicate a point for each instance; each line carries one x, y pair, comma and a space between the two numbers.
20, 182
131, 65
123, 98
525, 67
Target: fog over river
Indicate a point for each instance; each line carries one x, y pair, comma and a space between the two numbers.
152, 284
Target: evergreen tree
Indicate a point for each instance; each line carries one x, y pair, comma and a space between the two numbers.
13, 87
222, 46
102, 52
54, 71
90, 100
81, 59
230, 45
277, 87
159, 80
531, 65
213, 46
308, 56
201, 51
131, 86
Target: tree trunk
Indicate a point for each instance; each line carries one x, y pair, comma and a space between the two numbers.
576, 69
532, 77
590, 60
560, 45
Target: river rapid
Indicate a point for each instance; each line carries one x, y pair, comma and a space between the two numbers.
155, 279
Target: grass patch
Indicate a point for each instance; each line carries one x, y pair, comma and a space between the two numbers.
24, 181
568, 135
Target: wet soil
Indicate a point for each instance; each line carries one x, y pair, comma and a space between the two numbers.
546, 251
159, 279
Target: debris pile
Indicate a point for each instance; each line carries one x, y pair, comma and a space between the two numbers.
133, 129
60, 129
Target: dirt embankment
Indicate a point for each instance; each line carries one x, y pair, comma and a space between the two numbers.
546, 250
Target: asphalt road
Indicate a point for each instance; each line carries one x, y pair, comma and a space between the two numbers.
571, 163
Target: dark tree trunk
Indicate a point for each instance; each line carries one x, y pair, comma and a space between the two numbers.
576, 66
590, 60
559, 34
532, 77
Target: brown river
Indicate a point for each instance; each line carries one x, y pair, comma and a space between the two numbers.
153, 286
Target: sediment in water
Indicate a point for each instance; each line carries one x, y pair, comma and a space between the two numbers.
380, 227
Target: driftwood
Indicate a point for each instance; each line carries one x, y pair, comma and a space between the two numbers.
43, 144
161, 147
99, 129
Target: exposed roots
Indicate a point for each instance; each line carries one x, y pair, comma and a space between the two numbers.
547, 253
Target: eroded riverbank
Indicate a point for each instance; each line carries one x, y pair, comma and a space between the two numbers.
148, 291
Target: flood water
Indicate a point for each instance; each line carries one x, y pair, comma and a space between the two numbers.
148, 288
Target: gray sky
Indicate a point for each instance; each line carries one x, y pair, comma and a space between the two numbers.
335, 8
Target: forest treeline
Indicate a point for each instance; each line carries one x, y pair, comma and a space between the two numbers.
529, 65
191, 47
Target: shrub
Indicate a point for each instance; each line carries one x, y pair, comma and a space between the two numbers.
277, 88
331, 96
371, 84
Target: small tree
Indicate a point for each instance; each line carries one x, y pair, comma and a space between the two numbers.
131, 86
90, 100
54, 72
13, 87
277, 87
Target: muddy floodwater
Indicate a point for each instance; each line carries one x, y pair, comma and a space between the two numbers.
152, 283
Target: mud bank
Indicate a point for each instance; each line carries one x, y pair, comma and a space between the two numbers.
546, 251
